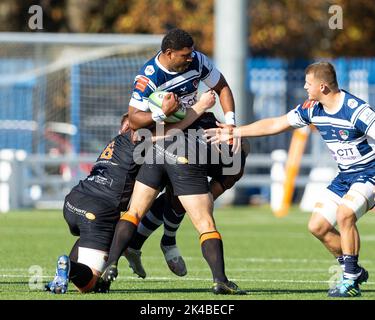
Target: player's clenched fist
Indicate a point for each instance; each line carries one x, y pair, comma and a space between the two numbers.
170, 104
208, 98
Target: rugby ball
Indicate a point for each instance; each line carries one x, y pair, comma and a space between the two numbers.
155, 100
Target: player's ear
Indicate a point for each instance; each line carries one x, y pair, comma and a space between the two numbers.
168, 53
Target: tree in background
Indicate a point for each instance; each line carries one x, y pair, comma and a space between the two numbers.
283, 28
299, 28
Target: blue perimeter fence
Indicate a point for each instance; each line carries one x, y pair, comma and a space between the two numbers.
274, 86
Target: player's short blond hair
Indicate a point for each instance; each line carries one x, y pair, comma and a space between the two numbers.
325, 72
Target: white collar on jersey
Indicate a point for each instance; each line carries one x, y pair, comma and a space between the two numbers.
161, 66
340, 104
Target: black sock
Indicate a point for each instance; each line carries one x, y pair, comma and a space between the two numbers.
149, 223
174, 212
80, 274
340, 260
73, 255
212, 250
121, 239
352, 269
172, 222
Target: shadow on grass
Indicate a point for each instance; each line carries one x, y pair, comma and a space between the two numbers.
207, 290
160, 290
250, 292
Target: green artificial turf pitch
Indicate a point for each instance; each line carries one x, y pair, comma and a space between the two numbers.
271, 258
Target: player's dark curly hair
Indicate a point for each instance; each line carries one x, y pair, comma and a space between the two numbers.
177, 39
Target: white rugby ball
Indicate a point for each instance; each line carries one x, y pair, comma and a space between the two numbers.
155, 100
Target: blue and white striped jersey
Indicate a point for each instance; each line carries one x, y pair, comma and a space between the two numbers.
154, 77
349, 133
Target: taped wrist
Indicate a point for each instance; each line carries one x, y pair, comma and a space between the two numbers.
230, 118
158, 115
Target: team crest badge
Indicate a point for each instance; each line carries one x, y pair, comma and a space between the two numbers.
344, 134
352, 103
149, 70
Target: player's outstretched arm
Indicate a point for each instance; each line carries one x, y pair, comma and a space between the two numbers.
264, 127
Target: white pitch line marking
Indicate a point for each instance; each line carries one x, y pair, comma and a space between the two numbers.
150, 279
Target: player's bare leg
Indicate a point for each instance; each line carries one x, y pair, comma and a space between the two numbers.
168, 209
326, 233
346, 220
172, 214
200, 208
354, 204
331, 239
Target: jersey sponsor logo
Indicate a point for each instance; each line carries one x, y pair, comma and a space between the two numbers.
182, 160
352, 103
90, 216
346, 153
188, 100
141, 83
74, 209
149, 70
344, 134
367, 116
100, 180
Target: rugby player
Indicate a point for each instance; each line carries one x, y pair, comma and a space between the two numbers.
346, 124
94, 206
172, 213
190, 185
178, 68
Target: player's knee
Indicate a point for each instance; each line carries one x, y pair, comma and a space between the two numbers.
345, 216
91, 285
317, 228
205, 225
95, 260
